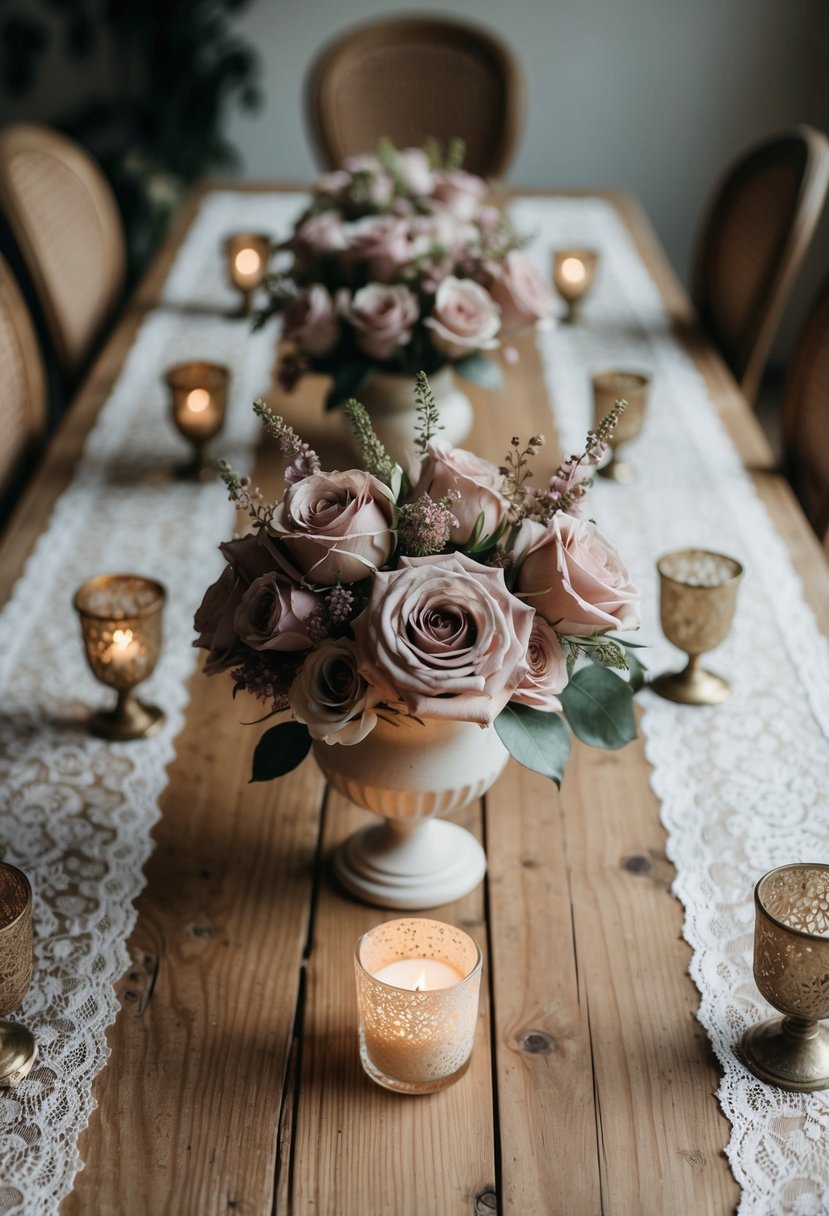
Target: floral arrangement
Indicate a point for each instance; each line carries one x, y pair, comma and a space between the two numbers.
399, 263
454, 589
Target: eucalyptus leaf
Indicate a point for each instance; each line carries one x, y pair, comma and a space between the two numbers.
347, 382
540, 741
479, 370
599, 707
280, 750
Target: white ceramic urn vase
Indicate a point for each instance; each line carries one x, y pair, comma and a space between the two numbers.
411, 772
390, 401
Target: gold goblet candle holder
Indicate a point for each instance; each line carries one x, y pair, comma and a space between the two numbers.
198, 400
573, 274
791, 968
248, 255
18, 1050
632, 388
698, 595
121, 623
417, 995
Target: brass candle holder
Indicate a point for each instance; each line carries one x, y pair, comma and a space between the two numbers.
121, 623
573, 274
698, 595
632, 388
791, 968
248, 255
18, 1050
198, 401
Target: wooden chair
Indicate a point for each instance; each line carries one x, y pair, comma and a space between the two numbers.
23, 399
753, 242
65, 221
411, 78
806, 418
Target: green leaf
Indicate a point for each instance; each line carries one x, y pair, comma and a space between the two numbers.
279, 750
536, 739
638, 671
479, 370
599, 707
347, 382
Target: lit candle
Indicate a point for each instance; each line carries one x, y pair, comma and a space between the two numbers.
198, 400
124, 648
247, 263
573, 271
419, 974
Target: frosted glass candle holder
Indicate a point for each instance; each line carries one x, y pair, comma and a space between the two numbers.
417, 996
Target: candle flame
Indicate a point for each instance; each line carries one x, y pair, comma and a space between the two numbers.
572, 269
247, 261
121, 638
198, 400
420, 983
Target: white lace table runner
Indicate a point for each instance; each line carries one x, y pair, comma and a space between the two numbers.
76, 813
742, 785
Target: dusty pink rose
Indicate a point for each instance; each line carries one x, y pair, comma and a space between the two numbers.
248, 558
312, 321
547, 673
382, 318
414, 171
459, 191
332, 185
445, 636
444, 468
574, 577
465, 318
273, 615
521, 294
331, 697
316, 238
379, 241
336, 526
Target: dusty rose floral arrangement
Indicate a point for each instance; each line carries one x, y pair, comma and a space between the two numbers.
400, 263
454, 589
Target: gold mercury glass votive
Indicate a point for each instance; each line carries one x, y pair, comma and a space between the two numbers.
18, 1049
632, 388
698, 595
248, 255
417, 995
121, 623
791, 968
198, 400
573, 273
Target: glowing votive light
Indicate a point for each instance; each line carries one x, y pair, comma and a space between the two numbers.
419, 974
124, 646
198, 399
247, 261
572, 269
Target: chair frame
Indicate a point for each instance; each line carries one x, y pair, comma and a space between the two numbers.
321, 113
815, 332
12, 301
753, 347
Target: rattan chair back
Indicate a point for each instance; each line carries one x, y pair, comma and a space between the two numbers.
806, 417
23, 399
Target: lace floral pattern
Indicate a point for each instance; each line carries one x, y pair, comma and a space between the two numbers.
742, 785
77, 813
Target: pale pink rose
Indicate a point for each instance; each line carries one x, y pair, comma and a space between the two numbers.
459, 191
379, 241
415, 172
444, 468
331, 697
316, 238
273, 615
465, 318
332, 185
547, 673
312, 321
444, 636
435, 233
382, 317
372, 185
574, 577
336, 526
521, 294
248, 558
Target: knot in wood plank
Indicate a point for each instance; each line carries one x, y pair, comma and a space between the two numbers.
537, 1042
486, 1202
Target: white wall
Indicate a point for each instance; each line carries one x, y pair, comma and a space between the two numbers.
653, 95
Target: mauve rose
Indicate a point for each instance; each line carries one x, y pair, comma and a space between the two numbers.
445, 636
336, 526
312, 321
273, 615
248, 558
331, 697
574, 577
382, 318
547, 673
465, 318
444, 468
381, 242
521, 294
459, 191
318, 237
415, 172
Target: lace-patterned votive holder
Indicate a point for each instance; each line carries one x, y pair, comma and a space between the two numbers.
121, 625
198, 403
417, 995
18, 1050
248, 256
573, 274
791, 969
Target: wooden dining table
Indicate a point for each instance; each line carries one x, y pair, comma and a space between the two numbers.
234, 1083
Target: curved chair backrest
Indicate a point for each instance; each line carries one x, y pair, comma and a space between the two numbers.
806, 417
65, 221
415, 78
753, 242
23, 399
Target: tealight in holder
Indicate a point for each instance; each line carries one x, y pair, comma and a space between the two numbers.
248, 256
121, 623
573, 274
198, 402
